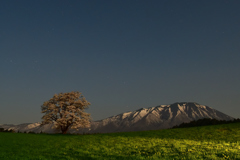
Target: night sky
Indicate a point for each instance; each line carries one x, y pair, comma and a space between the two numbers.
122, 55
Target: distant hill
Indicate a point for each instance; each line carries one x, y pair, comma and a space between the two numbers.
205, 122
153, 118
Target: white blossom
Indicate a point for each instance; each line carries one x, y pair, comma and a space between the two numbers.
65, 111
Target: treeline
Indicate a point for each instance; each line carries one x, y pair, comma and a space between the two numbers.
5, 130
13, 131
205, 122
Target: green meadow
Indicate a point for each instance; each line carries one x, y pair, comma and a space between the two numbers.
206, 142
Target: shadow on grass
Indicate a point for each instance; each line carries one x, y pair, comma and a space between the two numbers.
223, 132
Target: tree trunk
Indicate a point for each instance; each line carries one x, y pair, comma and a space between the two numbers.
64, 130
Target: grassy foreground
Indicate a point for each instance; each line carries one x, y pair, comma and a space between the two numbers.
207, 142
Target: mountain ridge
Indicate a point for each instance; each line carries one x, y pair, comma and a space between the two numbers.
152, 118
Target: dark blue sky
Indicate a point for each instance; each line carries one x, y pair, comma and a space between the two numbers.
122, 55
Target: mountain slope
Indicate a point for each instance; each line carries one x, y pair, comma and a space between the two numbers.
154, 118
160, 117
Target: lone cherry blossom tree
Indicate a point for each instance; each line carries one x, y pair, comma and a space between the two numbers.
65, 111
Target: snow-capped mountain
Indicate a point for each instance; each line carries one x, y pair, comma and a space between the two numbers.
154, 118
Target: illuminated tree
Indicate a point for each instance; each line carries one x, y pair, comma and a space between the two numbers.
65, 111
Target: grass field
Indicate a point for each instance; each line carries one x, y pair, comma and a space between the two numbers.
207, 142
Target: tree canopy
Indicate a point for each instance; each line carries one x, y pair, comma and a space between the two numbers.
65, 111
